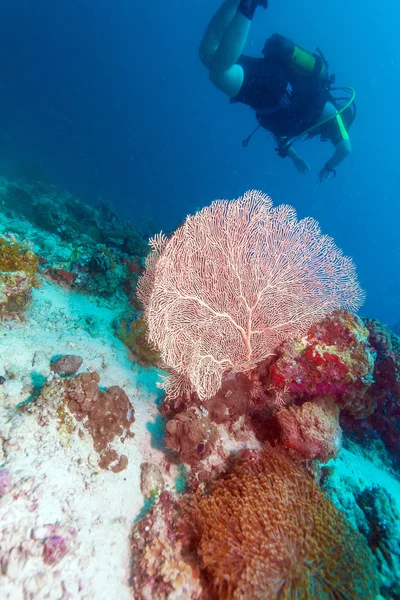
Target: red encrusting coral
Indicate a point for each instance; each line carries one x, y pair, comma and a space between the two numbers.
334, 358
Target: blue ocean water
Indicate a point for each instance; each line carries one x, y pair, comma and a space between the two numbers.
111, 98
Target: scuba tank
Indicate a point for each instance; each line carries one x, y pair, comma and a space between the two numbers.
294, 58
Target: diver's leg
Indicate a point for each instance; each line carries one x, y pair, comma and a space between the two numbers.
223, 43
215, 30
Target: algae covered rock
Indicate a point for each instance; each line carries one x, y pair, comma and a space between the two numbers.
18, 275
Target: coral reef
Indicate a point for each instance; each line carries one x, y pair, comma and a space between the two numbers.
265, 530
262, 392
294, 398
106, 415
334, 358
18, 274
90, 249
58, 212
312, 430
228, 283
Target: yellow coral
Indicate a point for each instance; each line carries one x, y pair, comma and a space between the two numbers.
133, 334
16, 257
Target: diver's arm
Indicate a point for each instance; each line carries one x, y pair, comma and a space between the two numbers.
223, 43
342, 149
301, 165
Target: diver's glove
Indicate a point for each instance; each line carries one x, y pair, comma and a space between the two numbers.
248, 7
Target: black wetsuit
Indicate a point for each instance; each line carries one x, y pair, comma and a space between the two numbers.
285, 103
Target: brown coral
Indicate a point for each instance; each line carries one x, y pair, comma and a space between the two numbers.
311, 430
106, 414
192, 434
232, 400
267, 531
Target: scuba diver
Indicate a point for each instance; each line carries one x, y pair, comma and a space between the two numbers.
289, 89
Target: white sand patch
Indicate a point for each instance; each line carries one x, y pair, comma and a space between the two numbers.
58, 491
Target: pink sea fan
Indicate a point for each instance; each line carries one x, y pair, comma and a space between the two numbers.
235, 280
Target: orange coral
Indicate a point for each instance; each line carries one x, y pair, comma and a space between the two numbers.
267, 531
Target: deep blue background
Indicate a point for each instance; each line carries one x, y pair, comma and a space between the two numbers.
111, 98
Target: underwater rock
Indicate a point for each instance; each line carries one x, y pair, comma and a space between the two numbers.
68, 364
15, 294
151, 480
383, 535
162, 567
384, 393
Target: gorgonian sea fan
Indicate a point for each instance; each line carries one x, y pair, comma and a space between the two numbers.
235, 280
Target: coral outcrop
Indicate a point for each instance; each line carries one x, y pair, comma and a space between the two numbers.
107, 415
265, 530
295, 398
18, 275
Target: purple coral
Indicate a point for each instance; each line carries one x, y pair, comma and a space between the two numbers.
55, 547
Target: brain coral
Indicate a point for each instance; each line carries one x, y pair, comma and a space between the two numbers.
267, 531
